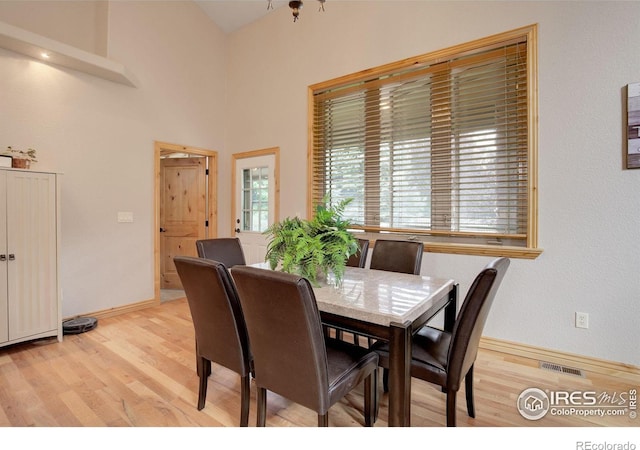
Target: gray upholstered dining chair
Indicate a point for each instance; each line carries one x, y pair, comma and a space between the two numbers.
444, 358
225, 250
221, 333
292, 357
397, 256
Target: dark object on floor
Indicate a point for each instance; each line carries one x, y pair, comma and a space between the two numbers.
79, 325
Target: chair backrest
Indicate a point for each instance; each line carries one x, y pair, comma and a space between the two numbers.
289, 353
397, 256
470, 321
359, 259
221, 333
228, 251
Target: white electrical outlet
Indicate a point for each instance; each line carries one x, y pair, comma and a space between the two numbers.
582, 320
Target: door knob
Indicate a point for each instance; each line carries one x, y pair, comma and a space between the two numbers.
162, 230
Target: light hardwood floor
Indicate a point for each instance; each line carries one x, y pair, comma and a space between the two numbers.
138, 370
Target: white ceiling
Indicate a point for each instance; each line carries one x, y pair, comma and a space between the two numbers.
231, 15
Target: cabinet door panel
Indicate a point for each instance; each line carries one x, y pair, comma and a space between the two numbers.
4, 307
31, 239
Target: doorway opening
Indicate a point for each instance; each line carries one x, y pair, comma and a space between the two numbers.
185, 209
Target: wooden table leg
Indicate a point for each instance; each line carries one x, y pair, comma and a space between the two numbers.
400, 375
450, 310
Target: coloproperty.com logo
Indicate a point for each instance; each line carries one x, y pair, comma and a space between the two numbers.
534, 403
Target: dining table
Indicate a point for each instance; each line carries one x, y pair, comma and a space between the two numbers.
391, 306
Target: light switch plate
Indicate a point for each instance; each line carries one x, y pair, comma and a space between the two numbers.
125, 217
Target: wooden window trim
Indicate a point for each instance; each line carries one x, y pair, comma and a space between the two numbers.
530, 250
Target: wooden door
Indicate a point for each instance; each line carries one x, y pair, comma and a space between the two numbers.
183, 199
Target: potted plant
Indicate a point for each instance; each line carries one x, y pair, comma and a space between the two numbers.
313, 248
19, 158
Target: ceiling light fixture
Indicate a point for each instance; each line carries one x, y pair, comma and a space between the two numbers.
296, 6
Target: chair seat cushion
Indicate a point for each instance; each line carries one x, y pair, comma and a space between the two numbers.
348, 366
428, 354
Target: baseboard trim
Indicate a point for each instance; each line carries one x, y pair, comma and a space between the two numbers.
586, 363
111, 312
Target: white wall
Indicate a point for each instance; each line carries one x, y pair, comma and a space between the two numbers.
589, 211
101, 136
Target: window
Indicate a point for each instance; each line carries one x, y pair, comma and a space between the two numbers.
255, 199
441, 147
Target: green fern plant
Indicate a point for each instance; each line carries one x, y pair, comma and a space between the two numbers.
313, 247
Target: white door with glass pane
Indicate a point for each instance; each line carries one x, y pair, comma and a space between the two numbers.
254, 204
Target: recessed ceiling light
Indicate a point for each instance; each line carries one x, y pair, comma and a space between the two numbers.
45, 55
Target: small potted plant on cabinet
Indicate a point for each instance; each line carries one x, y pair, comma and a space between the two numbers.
21, 159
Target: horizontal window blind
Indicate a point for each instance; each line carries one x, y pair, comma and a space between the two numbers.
439, 148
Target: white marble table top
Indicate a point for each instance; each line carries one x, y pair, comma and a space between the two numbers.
379, 297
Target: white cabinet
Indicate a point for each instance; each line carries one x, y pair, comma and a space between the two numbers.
30, 300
